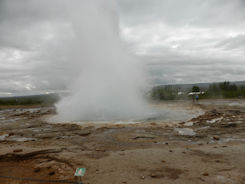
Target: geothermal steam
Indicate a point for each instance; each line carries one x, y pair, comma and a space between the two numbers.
110, 82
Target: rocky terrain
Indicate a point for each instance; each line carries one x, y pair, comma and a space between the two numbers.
208, 148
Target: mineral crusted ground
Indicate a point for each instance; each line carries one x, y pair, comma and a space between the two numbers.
209, 148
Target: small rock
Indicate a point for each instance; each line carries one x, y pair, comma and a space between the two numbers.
205, 174
163, 161
38, 169
51, 173
142, 177
216, 138
102, 150
11, 134
85, 133
143, 137
201, 179
17, 150
171, 151
230, 125
157, 174
153, 175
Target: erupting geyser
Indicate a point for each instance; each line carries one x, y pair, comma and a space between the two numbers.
110, 82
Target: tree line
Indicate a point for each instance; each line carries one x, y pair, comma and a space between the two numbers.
214, 90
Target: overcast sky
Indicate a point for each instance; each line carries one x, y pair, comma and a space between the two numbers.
180, 41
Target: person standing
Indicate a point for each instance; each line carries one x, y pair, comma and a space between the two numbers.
197, 97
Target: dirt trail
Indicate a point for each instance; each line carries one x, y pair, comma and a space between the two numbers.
209, 148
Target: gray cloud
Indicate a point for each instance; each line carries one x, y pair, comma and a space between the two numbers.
193, 12
27, 30
237, 42
180, 41
187, 41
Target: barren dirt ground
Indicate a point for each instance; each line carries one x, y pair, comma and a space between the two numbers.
209, 148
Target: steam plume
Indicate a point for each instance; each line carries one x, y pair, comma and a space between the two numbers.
110, 81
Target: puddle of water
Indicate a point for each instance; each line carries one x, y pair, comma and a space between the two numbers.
185, 131
22, 139
232, 139
242, 104
203, 128
214, 120
3, 137
189, 124
6, 137
223, 179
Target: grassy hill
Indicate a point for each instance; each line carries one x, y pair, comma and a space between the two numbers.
47, 99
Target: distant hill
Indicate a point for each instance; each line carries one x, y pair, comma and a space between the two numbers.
221, 90
202, 85
45, 99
